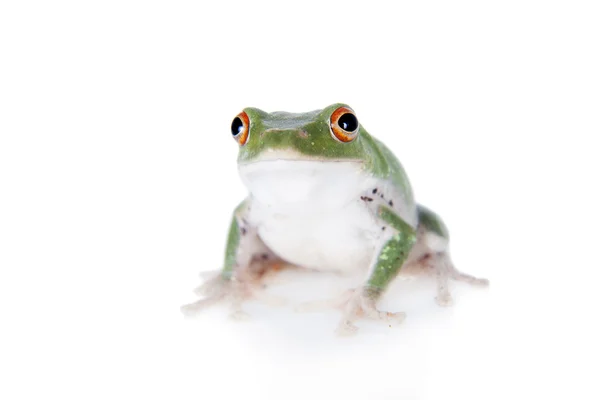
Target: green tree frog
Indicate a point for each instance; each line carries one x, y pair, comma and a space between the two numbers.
326, 195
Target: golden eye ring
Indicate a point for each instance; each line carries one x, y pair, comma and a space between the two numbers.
240, 128
344, 125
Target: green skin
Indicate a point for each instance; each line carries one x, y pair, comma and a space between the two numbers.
319, 144
309, 134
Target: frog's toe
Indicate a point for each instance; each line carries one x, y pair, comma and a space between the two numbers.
216, 290
445, 270
346, 328
444, 299
362, 304
396, 317
198, 306
212, 286
231, 291
470, 279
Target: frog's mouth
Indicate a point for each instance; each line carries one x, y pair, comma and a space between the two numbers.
284, 179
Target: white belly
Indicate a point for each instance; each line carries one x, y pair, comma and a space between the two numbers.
310, 213
340, 241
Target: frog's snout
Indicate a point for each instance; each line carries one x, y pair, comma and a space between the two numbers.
301, 133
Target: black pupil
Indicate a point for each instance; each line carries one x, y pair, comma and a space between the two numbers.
348, 122
237, 126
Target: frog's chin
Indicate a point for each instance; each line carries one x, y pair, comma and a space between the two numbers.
323, 184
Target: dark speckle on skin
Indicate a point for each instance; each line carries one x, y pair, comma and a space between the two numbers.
375, 191
383, 228
243, 230
365, 198
391, 203
264, 256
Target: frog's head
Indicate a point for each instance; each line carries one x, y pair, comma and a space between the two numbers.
285, 157
329, 134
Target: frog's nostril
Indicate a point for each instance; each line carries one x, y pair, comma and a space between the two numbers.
303, 134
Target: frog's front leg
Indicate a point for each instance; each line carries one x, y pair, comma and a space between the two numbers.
389, 259
247, 259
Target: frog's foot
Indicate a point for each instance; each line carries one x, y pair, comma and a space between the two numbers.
221, 290
445, 270
233, 291
362, 304
213, 283
253, 280
355, 304
470, 279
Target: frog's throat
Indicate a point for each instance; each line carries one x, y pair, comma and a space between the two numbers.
305, 184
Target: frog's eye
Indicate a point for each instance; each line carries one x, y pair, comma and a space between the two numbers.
240, 127
343, 124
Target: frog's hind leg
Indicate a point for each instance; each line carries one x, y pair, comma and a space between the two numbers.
431, 252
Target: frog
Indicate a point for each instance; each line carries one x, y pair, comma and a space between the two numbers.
325, 195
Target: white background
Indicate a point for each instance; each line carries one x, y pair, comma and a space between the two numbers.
118, 177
